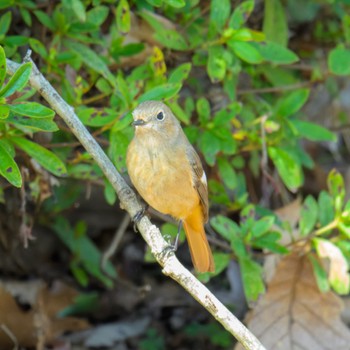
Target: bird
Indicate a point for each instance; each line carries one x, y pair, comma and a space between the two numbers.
168, 174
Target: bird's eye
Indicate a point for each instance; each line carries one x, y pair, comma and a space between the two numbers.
160, 116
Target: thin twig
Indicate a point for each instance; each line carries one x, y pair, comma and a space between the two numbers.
115, 243
151, 234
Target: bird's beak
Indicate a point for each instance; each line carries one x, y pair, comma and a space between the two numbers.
138, 122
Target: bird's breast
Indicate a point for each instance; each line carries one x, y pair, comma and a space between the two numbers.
163, 177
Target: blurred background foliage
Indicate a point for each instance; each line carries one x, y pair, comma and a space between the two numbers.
259, 86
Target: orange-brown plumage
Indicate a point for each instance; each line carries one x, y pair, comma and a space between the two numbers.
168, 174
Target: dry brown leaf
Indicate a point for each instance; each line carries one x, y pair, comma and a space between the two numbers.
37, 322
295, 315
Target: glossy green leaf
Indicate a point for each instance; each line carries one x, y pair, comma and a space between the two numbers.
35, 124
312, 131
123, 16
227, 173
251, 274
119, 142
246, 51
276, 53
38, 47
320, 274
122, 122
4, 111
2, 66
219, 13
8, 168
287, 167
241, 14
292, 103
308, 216
180, 73
97, 15
161, 92
155, 3
275, 24
18, 81
44, 157
339, 61
325, 208
32, 109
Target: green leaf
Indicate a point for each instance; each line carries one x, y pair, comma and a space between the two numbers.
216, 65
36, 124
251, 274
219, 13
336, 189
339, 61
262, 226
2, 66
45, 158
45, 20
96, 117
203, 110
180, 73
276, 53
338, 274
320, 274
79, 10
122, 122
289, 170
91, 59
155, 3
229, 230
32, 109
312, 131
123, 16
109, 193
175, 3
325, 208
292, 103
227, 173
119, 142
275, 24
4, 111
210, 146
161, 92
246, 51
269, 241
241, 14
84, 250
8, 167
18, 81
308, 215
38, 47
97, 15
171, 39
5, 22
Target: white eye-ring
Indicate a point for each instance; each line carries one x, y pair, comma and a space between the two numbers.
160, 116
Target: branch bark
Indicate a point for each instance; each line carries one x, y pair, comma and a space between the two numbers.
151, 234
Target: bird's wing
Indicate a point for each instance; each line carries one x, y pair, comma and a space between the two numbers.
199, 180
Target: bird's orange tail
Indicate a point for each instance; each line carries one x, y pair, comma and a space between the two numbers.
201, 254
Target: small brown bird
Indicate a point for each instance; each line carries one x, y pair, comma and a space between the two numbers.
168, 174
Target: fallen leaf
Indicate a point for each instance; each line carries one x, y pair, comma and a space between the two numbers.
295, 315
28, 313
